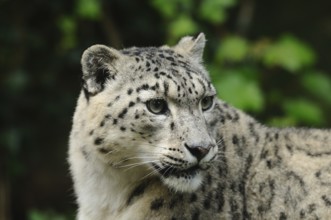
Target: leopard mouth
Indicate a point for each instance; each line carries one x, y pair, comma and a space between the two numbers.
182, 180
168, 171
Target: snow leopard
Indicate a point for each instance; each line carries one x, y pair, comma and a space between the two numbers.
151, 140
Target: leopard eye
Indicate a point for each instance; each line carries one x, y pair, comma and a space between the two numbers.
207, 102
157, 106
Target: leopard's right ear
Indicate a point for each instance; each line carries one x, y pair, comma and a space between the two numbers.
98, 66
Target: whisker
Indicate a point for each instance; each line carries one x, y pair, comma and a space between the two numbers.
132, 165
151, 156
150, 173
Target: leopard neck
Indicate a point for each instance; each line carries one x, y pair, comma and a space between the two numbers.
241, 140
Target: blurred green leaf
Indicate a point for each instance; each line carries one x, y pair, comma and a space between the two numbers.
166, 7
289, 53
183, 25
228, 3
214, 11
89, 9
240, 91
45, 215
67, 25
172, 8
233, 49
318, 84
213, 14
304, 111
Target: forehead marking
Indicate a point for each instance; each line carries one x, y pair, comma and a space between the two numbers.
188, 80
166, 88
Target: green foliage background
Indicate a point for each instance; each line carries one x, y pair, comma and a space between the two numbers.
270, 59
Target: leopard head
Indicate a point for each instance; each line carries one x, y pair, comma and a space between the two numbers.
150, 109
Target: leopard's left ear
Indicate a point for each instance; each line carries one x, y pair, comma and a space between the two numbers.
192, 46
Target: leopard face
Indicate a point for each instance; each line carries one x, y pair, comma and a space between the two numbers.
152, 107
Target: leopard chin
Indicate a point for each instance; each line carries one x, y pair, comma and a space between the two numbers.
188, 182
182, 180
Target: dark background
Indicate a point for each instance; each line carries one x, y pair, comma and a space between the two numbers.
270, 58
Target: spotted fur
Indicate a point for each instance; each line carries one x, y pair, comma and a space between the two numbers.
133, 159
